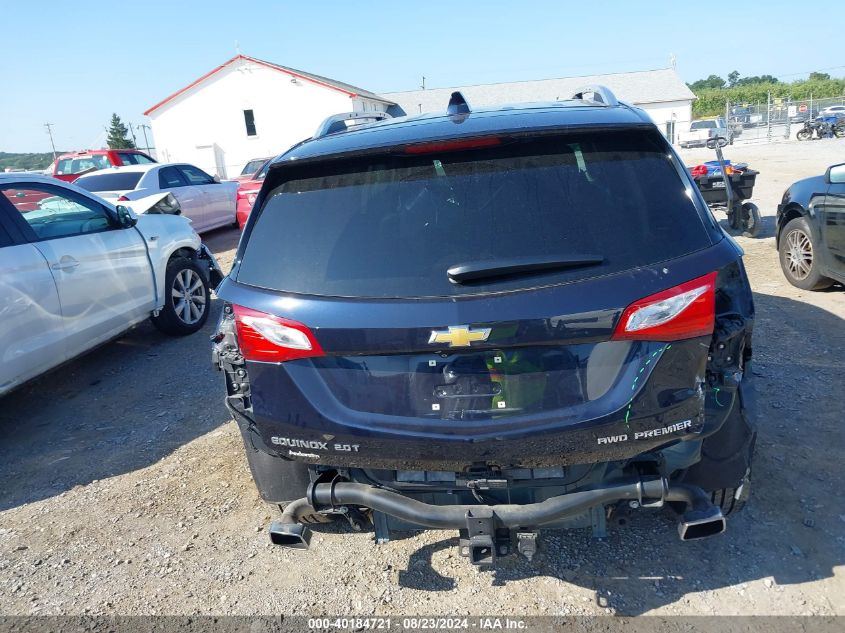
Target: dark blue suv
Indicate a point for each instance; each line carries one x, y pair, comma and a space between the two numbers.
493, 321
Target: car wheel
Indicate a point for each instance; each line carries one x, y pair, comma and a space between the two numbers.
186, 299
751, 219
798, 257
732, 500
724, 470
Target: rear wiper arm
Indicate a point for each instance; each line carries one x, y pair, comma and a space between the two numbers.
474, 271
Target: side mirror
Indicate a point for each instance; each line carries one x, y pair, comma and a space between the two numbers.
835, 174
126, 218
216, 178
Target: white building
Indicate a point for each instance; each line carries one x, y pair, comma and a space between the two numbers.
248, 108
661, 93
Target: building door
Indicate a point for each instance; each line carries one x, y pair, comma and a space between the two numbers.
211, 158
670, 131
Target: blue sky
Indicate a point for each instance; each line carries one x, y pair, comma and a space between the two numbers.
74, 64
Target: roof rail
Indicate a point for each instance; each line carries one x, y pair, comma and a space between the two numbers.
335, 123
458, 104
598, 94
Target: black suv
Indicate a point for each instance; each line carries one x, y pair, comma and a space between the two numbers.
493, 321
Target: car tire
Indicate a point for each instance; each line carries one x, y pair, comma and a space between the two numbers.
797, 253
751, 223
186, 299
732, 500
724, 470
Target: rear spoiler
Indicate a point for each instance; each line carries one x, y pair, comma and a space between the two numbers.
336, 122
597, 94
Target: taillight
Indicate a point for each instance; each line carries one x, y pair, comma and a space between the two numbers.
685, 311
452, 146
123, 199
266, 337
699, 170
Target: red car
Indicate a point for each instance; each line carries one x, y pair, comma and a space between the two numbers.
249, 186
70, 166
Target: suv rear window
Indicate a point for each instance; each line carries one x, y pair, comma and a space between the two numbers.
393, 226
123, 181
70, 166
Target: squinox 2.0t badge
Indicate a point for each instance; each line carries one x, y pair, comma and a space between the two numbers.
459, 335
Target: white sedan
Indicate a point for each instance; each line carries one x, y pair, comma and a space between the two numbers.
208, 202
76, 271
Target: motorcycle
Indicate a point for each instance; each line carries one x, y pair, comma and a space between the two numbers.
821, 127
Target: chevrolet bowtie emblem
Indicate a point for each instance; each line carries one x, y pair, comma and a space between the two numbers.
459, 335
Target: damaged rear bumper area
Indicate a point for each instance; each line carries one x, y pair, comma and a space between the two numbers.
488, 531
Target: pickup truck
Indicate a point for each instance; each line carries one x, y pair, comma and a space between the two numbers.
704, 129
76, 271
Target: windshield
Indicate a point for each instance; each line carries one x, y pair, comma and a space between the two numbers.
134, 158
703, 125
261, 175
252, 166
122, 181
394, 227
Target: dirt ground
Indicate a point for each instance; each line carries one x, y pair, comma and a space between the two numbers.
125, 489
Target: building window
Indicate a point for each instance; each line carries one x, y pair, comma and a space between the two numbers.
249, 120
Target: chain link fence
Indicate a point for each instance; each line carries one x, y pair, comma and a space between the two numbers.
775, 119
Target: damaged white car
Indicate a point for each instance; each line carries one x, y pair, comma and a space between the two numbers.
76, 271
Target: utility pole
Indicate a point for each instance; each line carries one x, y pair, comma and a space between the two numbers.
144, 127
49, 127
132, 132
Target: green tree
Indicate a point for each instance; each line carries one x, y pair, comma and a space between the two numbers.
117, 135
819, 77
732, 78
756, 79
713, 81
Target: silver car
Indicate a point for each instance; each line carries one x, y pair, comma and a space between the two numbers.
76, 271
208, 202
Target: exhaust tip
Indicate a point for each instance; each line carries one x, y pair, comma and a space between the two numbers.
291, 535
698, 525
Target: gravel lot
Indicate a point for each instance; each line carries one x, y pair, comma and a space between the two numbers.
126, 490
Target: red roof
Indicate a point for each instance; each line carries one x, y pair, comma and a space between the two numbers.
346, 89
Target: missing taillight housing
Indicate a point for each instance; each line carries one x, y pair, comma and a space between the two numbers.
686, 311
268, 338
